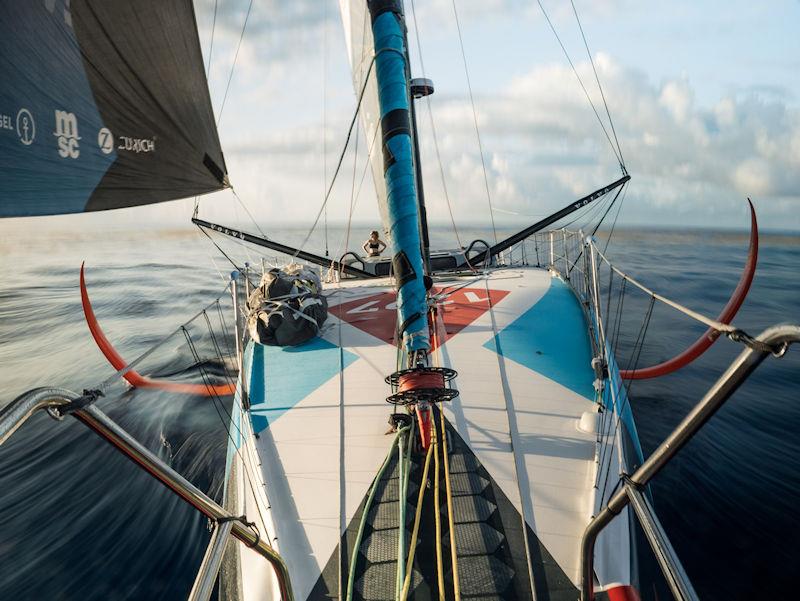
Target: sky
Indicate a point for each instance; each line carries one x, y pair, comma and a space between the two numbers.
704, 97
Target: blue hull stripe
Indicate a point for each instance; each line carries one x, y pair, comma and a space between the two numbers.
281, 377
550, 339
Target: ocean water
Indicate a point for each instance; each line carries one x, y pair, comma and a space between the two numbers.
80, 522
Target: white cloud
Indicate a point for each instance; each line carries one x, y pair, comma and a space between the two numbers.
544, 146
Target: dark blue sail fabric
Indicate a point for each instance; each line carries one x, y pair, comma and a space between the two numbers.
103, 104
391, 74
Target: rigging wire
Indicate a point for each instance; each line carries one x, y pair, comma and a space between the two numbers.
346, 145
599, 87
233, 65
475, 120
214, 242
614, 224
634, 360
249, 214
583, 87
429, 105
211, 43
220, 408
342, 248
325, 114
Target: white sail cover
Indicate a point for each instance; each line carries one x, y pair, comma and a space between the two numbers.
360, 50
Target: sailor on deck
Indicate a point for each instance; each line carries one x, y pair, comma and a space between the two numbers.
374, 246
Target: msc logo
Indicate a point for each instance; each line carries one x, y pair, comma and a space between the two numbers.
67, 134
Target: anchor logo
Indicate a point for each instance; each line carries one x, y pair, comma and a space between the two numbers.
26, 127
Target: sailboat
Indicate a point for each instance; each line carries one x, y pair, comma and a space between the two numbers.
455, 426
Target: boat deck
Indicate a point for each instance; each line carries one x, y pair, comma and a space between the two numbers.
518, 339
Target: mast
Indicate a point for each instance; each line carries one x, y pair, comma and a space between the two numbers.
391, 69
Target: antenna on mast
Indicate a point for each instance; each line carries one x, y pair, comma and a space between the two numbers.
419, 88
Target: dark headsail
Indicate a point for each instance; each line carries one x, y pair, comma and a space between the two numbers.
103, 104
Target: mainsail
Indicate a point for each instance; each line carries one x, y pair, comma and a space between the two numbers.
103, 105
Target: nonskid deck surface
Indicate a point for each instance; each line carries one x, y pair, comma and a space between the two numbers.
518, 339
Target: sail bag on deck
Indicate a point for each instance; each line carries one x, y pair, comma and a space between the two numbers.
103, 104
287, 308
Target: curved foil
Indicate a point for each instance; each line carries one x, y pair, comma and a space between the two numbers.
703, 343
133, 377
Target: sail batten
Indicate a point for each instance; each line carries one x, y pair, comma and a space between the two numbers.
106, 105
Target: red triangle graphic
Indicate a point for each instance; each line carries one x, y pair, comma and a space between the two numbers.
377, 314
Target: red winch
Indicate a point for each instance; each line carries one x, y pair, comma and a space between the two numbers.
419, 387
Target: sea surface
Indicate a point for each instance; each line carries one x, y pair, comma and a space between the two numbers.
79, 522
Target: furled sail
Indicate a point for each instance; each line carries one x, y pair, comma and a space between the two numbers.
360, 51
103, 104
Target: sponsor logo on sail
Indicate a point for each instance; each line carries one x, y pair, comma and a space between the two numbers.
5, 122
105, 140
67, 134
26, 127
137, 145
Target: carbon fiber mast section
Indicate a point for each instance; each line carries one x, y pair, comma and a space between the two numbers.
388, 29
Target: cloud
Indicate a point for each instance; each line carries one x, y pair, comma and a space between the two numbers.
543, 145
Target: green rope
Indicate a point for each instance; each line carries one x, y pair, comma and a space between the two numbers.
404, 469
352, 571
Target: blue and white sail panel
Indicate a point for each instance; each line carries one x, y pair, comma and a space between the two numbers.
388, 31
103, 105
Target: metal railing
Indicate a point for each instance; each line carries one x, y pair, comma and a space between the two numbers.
577, 260
59, 402
774, 340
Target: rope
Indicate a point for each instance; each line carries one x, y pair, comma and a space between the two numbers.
583, 87
403, 472
450, 521
475, 120
437, 514
351, 575
415, 531
325, 114
597, 226
224, 254
711, 323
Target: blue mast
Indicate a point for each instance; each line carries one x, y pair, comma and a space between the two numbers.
388, 31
